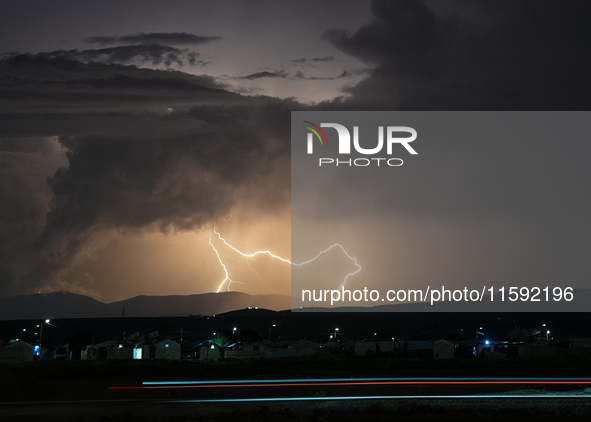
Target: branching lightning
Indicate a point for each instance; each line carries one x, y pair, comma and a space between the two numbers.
287, 261
227, 278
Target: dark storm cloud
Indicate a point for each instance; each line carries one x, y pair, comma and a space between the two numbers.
41, 146
343, 75
500, 55
36, 85
259, 75
128, 169
24, 195
312, 60
175, 38
298, 75
140, 53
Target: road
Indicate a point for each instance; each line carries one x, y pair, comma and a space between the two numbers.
154, 399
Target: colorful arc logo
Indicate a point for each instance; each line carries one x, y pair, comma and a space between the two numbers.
317, 129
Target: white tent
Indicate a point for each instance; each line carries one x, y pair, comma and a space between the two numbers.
168, 349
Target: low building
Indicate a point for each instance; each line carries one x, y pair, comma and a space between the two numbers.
97, 351
363, 348
120, 351
443, 349
272, 352
209, 352
168, 349
305, 348
17, 351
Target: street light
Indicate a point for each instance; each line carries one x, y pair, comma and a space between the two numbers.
336, 330
41, 331
272, 326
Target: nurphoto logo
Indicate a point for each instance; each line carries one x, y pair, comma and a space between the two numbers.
394, 135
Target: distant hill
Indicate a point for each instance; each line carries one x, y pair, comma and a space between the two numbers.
70, 305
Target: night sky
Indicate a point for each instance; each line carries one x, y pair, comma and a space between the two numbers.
129, 130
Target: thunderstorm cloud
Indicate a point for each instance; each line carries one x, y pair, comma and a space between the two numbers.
266, 74
128, 54
474, 55
175, 38
178, 165
92, 143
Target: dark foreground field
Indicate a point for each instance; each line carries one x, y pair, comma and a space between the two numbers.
89, 380
374, 411
79, 390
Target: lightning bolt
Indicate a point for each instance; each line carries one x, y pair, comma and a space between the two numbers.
227, 278
287, 261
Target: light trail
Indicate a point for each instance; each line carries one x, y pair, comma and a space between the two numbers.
374, 383
354, 382
407, 397
406, 379
87, 406
269, 253
429, 397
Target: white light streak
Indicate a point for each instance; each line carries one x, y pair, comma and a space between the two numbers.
227, 278
287, 261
